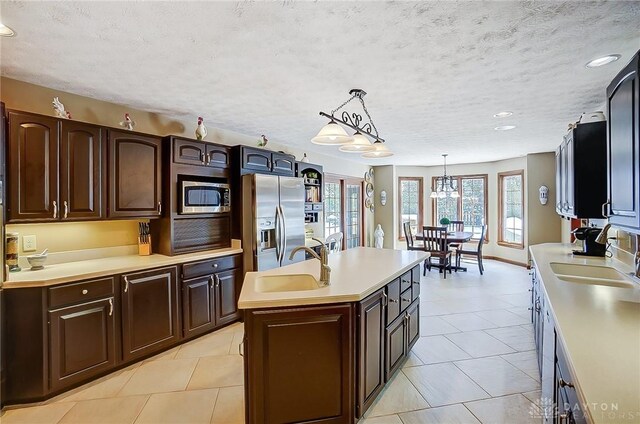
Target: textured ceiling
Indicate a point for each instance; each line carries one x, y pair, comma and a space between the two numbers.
435, 72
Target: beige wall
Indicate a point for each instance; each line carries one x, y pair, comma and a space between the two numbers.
33, 98
541, 222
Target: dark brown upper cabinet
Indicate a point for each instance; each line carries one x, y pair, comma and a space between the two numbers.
200, 153
623, 148
254, 160
149, 311
581, 190
32, 165
135, 175
83, 182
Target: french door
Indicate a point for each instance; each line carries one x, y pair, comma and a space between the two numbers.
343, 209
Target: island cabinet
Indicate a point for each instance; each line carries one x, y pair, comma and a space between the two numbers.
623, 153
134, 175
349, 351
150, 319
210, 292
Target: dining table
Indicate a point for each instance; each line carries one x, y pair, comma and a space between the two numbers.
454, 237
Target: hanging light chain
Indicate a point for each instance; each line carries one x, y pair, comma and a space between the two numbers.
343, 104
368, 116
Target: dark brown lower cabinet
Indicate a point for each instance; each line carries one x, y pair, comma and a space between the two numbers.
370, 355
227, 290
198, 315
299, 364
570, 409
149, 311
81, 341
400, 336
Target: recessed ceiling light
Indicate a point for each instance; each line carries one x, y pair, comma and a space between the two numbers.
504, 127
604, 60
503, 114
5, 31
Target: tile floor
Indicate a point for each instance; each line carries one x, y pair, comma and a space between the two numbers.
474, 363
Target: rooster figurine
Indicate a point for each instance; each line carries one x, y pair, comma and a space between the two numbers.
58, 107
263, 141
128, 123
201, 130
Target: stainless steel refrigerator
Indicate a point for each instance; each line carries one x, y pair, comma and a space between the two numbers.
273, 220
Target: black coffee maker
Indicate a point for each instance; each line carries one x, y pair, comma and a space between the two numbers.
590, 247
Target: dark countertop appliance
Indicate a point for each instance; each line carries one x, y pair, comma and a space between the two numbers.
590, 247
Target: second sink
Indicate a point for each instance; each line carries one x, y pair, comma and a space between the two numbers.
282, 283
590, 274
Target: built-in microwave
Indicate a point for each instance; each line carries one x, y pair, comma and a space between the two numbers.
204, 197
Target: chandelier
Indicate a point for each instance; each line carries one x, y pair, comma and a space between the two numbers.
333, 134
445, 185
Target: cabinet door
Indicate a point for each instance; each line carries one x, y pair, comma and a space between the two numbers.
217, 156
83, 173
624, 147
393, 306
283, 164
413, 324
134, 181
227, 290
569, 175
395, 346
82, 342
300, 365
256, 159
197, 305
149, 311
370, 356
32, 165
189, 152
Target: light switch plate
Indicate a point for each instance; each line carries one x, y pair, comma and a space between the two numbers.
29, 243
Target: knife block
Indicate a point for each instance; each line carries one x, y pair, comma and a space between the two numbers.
144, 249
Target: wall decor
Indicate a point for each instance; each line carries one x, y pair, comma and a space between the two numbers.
201, 130
383, 197
544, 194
378, 235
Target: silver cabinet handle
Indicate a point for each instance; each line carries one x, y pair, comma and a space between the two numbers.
66, 209
215, 265
386, 298
55, 209
217, 280
202, 158
406, 300
563, 383
110, 306
85, 291
605, 213
393, 300
563, 418
159, 208
208, 159
211, 281
240, 348
126, 284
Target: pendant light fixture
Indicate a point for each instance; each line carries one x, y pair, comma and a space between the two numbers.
334, 134
445, 185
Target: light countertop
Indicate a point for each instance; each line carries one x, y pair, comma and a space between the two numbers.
95, 268
355, 274
599, 328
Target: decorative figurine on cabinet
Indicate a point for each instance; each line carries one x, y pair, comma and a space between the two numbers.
378, 235
262, 142
201, 130
58, 107
128, 123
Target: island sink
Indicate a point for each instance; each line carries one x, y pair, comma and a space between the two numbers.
284, 283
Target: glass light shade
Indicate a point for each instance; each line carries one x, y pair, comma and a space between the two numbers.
442, 195
381, 151
455, 194
433, 195
5, 31
360, 144
332, 134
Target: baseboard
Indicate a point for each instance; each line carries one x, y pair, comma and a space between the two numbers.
508, 261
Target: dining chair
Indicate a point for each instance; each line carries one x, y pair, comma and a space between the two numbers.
435, 242
334, 242
477, 253
410, 238
456, 226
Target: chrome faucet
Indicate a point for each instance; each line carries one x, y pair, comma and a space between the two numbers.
325, 270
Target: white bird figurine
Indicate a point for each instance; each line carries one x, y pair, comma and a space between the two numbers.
128, 123
201, 130
58, 107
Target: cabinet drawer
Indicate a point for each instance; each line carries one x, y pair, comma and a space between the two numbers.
393, 301
80, 292
209, 266
405, 281
405, 299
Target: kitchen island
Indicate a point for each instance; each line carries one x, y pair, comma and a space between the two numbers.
323, 354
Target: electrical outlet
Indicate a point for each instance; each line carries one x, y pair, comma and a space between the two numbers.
29, 243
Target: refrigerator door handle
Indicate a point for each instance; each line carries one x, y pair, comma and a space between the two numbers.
278, 237
284, 233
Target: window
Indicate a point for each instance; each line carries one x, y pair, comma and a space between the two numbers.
470, 207
343, 209
511, 209
410, 204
